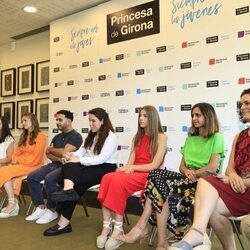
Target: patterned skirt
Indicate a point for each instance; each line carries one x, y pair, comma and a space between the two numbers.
180, 190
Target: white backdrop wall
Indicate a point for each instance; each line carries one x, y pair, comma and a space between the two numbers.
213, 48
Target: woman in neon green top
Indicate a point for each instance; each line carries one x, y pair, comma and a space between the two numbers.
202, 152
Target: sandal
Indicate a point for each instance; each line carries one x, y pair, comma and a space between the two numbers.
183, 245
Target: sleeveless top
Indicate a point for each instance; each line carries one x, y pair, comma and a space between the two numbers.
242, 154
142, 154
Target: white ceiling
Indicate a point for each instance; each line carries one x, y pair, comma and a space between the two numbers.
15, 22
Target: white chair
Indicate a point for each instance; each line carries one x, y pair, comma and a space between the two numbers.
20, 197
235, 221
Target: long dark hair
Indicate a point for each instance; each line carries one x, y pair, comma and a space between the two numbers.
245, 92
5, 129
103, 133
211, 125
154, 128
33, 134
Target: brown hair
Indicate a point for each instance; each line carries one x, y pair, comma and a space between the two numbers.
211, 125
103, 133
34, 132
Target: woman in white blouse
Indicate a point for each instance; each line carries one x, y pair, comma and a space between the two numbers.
85, 167
6, 142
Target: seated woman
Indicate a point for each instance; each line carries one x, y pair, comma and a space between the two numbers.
202, 152
85, 167
147, 153
28, 156
218, 197
6, 142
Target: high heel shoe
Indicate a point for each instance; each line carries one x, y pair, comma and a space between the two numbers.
137, 234
102, 239
183, 245
13, 212
114, 242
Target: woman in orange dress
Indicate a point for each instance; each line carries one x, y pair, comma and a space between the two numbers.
28, 156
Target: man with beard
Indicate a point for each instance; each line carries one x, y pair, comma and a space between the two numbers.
67, 141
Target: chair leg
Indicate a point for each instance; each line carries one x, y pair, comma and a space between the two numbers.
84, 206
152, 236
237, 233
125, 219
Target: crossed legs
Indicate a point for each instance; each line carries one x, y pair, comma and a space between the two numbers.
209, 207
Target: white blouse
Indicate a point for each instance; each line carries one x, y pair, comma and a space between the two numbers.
4, 146
107, 154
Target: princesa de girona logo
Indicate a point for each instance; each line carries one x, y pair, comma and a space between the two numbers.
138, 21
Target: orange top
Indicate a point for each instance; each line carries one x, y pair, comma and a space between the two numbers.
31, 155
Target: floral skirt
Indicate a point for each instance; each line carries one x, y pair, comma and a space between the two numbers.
163, 184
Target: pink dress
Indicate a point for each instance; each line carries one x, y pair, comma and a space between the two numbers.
238, 204
116, 187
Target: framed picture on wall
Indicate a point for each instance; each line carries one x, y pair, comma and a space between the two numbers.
42, 76
26, 79
8, 82
7, 109
42, 112
23, 107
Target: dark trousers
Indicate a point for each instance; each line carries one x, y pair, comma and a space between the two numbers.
83, 178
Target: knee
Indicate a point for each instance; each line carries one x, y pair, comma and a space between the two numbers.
31, 177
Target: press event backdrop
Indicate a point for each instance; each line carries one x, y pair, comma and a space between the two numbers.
123, 55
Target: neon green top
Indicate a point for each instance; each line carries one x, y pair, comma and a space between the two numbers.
198, 150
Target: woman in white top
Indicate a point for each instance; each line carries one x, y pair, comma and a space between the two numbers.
85, 167
6, 142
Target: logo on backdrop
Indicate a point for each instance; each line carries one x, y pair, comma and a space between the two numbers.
243, 57
242, 10
138, 21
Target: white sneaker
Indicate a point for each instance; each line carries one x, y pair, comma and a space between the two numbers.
47, 217
38, 213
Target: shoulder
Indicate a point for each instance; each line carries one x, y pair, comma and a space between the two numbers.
41, 135
162, 137
112, 136
9, 139
218, 136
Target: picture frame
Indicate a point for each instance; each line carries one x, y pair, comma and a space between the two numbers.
25, 79
23, 107
7, 109
42, 112
8, 82
42, 76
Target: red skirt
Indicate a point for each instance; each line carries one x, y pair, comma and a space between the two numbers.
118, 186
238, 204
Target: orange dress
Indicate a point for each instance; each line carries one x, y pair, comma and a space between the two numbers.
29, 158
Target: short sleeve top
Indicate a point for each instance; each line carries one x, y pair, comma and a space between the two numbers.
198, 150
4, 146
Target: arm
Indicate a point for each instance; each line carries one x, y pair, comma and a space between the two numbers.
55, 154
235, 181
157, 160
109, 148
9, 153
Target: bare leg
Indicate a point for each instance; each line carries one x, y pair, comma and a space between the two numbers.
63, 222
106, 214
221, 224
68, 184
206, 198
118, 228
162, 226
10, 193
140, 229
